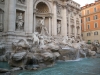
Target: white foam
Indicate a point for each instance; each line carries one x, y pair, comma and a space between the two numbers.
66, 48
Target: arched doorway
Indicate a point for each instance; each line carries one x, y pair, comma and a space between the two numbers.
42, 13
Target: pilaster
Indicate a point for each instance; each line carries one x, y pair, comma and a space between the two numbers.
69, 25
10, 15
75, 29
9, 22
54, 22
30, 16
49, 25
80, 25
64, 21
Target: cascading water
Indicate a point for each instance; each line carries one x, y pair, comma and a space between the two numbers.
85, 55
77, 54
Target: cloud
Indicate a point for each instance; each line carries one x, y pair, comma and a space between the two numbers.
84, 2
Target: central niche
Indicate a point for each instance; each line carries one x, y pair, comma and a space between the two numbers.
42, 8
42, 15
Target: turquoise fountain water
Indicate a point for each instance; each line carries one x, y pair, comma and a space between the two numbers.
87, 66
4, 65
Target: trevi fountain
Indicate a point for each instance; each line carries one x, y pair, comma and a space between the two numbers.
49, 49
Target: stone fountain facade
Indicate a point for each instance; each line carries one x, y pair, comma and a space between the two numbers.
36, 33
20, 18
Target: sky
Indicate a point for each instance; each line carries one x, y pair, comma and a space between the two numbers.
84, 2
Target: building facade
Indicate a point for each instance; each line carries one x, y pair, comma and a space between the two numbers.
21, 18
91, 22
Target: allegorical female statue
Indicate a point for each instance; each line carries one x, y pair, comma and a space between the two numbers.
59, 28
20, 22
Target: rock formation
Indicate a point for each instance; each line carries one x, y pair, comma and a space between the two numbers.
44, 51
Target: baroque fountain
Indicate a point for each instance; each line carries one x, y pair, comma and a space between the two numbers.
42, 51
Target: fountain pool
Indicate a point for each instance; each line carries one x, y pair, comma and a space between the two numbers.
86, 66
4, 65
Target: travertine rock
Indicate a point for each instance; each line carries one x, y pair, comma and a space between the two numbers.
18, 56
92, 53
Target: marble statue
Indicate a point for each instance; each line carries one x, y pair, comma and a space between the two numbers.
20, 22
41, 40
59, 28
72, 39
43, 28
65, 40
42, 21
35, 38
79, 38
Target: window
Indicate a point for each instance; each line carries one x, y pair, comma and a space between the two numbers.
94, 9
96, 33
87, 12
87, 19
95, 17
88, 34
95, 25
88, 26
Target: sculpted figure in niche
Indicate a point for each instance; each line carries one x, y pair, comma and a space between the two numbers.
43, 28
59, 28
20, 22
42, 21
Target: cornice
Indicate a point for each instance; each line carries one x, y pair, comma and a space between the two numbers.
73, 6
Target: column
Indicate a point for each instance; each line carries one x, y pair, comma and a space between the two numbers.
9, 15
54, 23
64, 21
80, 25
9, 22
12, 15
34, 23
75, 30
69, 25
49, 25
30, 16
